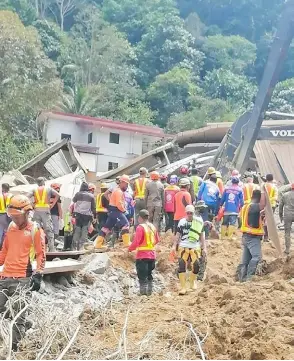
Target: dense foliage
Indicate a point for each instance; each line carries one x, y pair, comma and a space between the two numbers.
175, 63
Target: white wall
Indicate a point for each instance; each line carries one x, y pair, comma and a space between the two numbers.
89, 160
56, 127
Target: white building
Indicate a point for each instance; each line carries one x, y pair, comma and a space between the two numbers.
103, 144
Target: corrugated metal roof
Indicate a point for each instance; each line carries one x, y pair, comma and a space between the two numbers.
267, 161
284, 151
57, 165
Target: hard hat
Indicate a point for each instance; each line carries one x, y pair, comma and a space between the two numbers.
173, 179
154, 176
184, 182
218, 174
143, 170
124, 178
200, 204
235, 180
19, 204
190, 209
55, 186
235, 172
92, 187
210, 170
184, 169
103, 186
163, 176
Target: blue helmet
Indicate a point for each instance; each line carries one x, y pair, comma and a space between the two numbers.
173, 179
235, 180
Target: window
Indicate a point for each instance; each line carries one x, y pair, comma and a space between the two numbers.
65, 136
114, 138
112, 165
90, 138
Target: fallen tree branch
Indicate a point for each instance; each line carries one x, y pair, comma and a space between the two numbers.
198, 341
60, 357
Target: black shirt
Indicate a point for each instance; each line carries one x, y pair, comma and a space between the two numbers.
254, 215
54, 210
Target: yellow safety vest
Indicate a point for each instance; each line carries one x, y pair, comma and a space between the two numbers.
149, 237
41, 201
247, 192
245, 228
271, 189
68, 227
140, 188
4, 202
99, 207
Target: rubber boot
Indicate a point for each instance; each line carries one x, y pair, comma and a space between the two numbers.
223, 232
143, 288
192, 280
232, 233
99, 242
126, 239
182, 278
149, 287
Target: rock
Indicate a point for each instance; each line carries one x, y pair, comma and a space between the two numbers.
228, 295
113, 279
216, 279
76, 300
88, 278
60, 296
279, 286
63, 281
98, 263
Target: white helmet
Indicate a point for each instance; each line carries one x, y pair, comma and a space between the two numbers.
184, 182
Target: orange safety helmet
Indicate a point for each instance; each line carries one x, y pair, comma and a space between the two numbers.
92, 187
56, 186
154, 176
125, 178
19, 204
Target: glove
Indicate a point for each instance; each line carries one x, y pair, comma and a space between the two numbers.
35, 283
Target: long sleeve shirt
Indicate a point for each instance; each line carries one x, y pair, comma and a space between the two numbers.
18, 248
139, 240
286, 205
117, 200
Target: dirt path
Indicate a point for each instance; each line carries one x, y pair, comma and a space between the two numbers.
238, 321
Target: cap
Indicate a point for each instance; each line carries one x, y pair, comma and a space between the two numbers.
144, 213
200, 204
189, 208
184, 182
210, 170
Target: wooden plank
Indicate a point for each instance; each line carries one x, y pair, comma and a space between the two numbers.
66, 265
271, 224
66, 253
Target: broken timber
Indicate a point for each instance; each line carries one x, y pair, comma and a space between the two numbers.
64, 254
66, 265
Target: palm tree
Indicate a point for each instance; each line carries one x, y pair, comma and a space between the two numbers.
77, 100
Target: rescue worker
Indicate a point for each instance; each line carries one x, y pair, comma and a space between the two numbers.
252, 235
146, 237
56, 211
68, 231
273, 194
92, 188
116, 215
189, 240
233, 201
248, 188
184, 173
200, 211
23, 242
235, 173
169, 202
210, 171
83, 212
45, 198
219, 182
286, 213
4, 203
209, 193
196, 181
139, 188
102, 204
163, 179
182, 199
154, 199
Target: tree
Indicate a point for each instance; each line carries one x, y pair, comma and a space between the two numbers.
24, 8
229, 52
235, 89
27, 77
169, 93
65, 8
283, 97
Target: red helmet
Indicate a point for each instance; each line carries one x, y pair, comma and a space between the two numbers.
184, 169
154, 176
163, 177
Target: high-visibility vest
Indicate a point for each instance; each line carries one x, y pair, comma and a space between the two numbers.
245, 228
140, 188
195, 181
99, 207
149, 237
271, 189
247, 192
68, 226
4, 202
195, 230
41, 199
